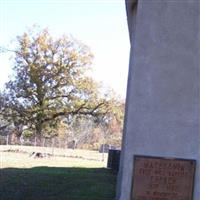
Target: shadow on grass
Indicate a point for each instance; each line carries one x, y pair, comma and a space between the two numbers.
53, 183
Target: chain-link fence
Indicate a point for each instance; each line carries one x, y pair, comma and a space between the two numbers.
55, 142
34, 141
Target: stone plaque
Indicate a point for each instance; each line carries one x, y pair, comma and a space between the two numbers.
157, 178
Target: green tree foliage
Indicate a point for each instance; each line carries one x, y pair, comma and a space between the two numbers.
111, 125
89, 132
50, 83
5, 125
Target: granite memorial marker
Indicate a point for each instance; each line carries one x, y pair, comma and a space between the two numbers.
161, 142
162, 178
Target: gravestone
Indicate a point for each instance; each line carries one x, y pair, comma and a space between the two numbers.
161, 143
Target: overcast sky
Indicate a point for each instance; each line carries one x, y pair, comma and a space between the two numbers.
100, 24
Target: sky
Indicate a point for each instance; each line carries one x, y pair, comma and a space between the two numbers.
100, 24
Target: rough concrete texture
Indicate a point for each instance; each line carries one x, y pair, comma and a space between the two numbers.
163, 95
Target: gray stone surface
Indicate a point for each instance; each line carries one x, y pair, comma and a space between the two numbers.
163, 94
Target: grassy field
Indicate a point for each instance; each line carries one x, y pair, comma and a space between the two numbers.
78, 175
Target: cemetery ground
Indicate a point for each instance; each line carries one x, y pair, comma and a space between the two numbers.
68, 175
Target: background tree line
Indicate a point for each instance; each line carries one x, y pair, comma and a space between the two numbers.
50, 95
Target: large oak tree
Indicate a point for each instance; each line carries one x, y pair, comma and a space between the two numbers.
50, 82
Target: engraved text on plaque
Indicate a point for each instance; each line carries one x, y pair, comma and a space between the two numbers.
162, 178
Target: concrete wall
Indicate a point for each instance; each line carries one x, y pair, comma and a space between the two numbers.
163, 95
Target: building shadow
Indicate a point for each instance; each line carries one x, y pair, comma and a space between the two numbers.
56, 183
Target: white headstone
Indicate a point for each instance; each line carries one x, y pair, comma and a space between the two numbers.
163, 97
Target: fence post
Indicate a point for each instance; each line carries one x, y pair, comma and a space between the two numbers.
103, 148
52, 145
7, 140
59, 143
35, 142
43, 142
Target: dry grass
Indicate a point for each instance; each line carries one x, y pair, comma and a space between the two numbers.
70, 175
19, 160
62, 157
